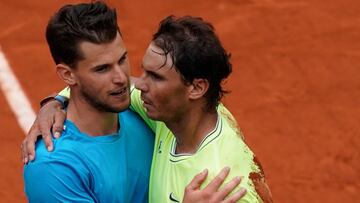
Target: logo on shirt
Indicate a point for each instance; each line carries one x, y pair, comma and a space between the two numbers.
172, 198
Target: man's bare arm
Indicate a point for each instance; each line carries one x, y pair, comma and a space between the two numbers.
48, 122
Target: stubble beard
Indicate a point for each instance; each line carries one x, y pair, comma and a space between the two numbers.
96, 102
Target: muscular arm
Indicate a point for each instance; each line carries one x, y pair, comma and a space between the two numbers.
48, 122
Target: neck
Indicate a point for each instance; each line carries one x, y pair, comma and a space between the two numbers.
191, 129
89, 120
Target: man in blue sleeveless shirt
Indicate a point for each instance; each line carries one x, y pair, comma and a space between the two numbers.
102, 155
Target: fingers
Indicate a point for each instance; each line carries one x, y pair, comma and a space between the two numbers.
46, 134
48, 115
24, 154
30, 149
236, 197
28, 146
229, 187
218, 180
59, 120
197, 180
212, 192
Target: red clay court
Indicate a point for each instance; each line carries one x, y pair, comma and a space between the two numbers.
295, 84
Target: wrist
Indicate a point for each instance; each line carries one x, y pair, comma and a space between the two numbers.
57, 100
47, 99
62, 100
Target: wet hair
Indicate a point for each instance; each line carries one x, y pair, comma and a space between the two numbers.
196, 53
94, 22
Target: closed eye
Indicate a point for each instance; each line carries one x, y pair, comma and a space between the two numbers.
154, 75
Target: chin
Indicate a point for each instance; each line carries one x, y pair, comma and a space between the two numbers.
123, 107
124, 103
117, 108
148, 114
154, 116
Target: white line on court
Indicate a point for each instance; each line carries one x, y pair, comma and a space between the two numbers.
15, 96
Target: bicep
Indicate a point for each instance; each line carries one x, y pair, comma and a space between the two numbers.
55, 182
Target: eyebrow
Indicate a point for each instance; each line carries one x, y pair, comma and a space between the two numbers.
152, 72
163, 54
106, 64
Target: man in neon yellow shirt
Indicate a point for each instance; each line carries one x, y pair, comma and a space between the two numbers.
184, 66
178, 97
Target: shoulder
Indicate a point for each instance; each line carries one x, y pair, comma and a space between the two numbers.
68, 152
61, 180
68, 147
50, 167
54, 168
241, 158
230, 125
57, 171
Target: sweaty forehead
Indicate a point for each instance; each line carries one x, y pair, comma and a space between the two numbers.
155, 58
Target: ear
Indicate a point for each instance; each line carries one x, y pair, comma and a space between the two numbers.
66, 74
198, 88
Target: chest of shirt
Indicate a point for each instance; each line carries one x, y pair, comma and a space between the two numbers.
170, 172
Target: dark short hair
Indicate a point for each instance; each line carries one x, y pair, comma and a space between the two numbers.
93, 22
196, 53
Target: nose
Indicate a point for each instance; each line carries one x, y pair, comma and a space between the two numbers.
140, 83
120, 76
